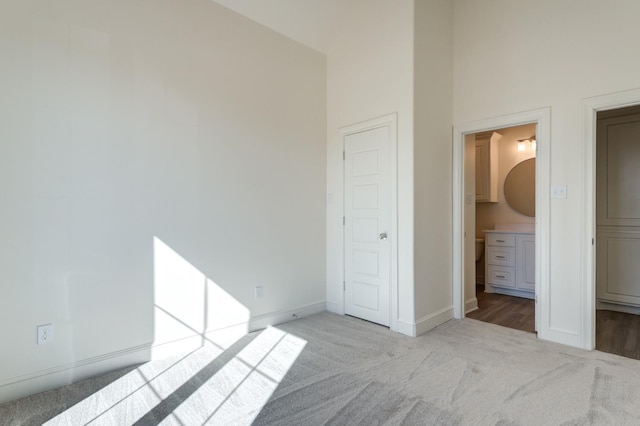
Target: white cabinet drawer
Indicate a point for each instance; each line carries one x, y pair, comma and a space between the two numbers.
503, 240
501, 256
501, 276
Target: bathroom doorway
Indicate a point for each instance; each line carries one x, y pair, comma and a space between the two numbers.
500, 195
464, 242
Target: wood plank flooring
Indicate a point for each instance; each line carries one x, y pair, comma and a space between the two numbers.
616, 332
507, 311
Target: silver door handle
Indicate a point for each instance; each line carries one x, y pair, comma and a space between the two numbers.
383, 236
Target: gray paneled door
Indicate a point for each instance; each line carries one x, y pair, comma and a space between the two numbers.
618, 207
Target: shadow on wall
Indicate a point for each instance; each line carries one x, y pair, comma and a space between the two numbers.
202, 371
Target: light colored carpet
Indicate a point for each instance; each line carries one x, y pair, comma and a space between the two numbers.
328, 369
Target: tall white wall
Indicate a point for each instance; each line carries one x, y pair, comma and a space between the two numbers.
370, 74
519, 56
122, 121
433, 63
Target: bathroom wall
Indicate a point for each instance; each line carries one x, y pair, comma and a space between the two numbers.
490, 214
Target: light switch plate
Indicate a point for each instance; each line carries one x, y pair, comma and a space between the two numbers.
559, 191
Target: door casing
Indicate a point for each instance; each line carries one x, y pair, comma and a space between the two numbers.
541, 117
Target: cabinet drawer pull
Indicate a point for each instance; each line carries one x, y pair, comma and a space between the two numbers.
499, 241
500, 257
501, 276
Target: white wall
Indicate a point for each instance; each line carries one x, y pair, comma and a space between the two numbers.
518, 56
123, 121
433, 64
370, 74
490, 214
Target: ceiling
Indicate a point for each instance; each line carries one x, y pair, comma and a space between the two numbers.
310, 22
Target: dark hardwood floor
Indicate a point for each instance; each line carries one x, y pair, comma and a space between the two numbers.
616, 332
507, 311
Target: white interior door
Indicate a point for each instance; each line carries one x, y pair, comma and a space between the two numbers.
367, 224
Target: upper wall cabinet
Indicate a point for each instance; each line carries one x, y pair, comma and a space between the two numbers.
487, 167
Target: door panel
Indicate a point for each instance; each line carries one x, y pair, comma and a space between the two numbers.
618, 207
367, 216
618, 267
617, 177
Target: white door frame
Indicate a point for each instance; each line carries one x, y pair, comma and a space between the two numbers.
590, 108
541, 117
391, 121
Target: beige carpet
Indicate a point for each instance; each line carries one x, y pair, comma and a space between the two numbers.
328, 369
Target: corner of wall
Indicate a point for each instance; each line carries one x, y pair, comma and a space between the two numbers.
433, 320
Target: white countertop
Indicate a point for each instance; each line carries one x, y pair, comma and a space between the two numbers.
513, 228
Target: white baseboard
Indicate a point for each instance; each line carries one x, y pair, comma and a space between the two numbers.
40, 381
335, 308
273, 318
426, 323
51, 378
223, 338
470, 305
406, 328
512, 292
618, 307
433, 320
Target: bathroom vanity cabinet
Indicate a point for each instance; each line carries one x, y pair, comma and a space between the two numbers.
510, 263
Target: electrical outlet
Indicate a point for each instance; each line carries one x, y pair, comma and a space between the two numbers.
45, 334
259, 292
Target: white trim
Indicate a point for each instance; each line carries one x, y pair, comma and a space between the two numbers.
335, 308
40, 381
433, 320
590, 108
406, 328
43, 380
470, 305
617, 307
425, 324
542, 117
390, 120
514, 292
273, 318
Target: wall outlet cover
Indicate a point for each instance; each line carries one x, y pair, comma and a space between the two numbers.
45, 334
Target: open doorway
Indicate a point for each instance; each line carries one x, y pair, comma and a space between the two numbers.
464, 242
500, 195
618, 231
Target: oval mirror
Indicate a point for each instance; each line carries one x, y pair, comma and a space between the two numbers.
520, 187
